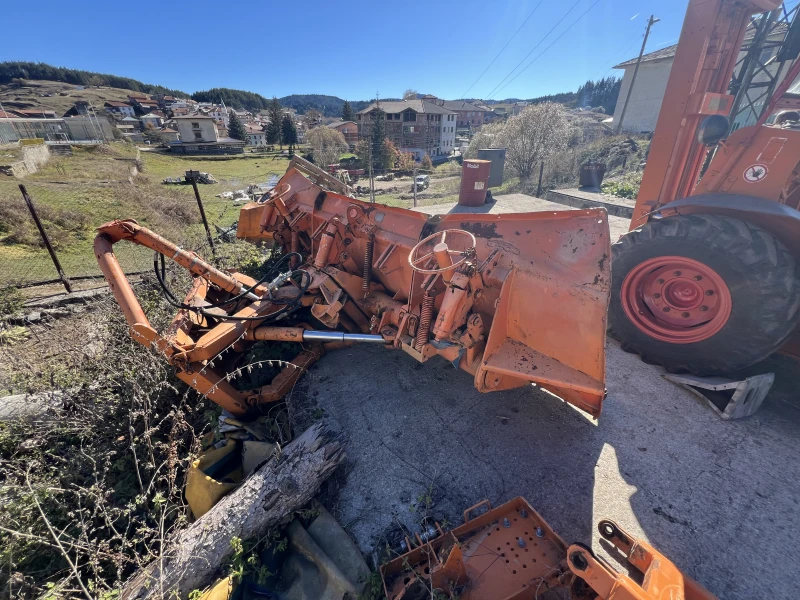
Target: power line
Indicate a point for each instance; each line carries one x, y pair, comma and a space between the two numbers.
550, 46
535, 47
464, 95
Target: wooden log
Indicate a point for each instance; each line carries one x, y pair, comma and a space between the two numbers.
266, 499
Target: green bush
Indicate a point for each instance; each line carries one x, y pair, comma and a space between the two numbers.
625, 187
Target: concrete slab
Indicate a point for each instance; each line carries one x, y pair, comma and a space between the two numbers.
719, 498
585, 198
520, 203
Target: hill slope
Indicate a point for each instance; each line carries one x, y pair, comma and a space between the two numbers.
57, 96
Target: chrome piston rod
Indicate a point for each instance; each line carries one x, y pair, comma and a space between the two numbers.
338, 336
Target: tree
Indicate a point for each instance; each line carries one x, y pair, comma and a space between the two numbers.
426, 163
406, 162
535, 134
410, 94
327, 145
347, 112
312, 118
275, 114
235, 128
390, 155
289, 132
486, 137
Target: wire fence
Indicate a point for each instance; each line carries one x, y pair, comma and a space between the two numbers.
67, 215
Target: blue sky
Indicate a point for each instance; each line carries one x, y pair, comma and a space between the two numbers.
347, 49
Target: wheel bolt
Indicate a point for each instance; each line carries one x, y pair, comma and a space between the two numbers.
698, 277
659, 281
685, 315
656, 295
666, 309
709, 292
704, 308
677, 273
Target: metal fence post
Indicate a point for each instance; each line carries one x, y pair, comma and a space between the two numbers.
61, 275
539, 188
203, 216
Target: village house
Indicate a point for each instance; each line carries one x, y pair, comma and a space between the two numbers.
255, 136
122, 109
415, 126
200, 135
349, 129
153, 120
470, 116
169, 135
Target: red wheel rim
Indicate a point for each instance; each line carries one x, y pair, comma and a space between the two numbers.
676, 299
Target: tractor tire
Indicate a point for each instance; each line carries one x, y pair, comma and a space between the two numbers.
705, 294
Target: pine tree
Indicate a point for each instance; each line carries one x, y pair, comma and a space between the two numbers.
275, 113
289, 132
235, 128
379, 150
347, 112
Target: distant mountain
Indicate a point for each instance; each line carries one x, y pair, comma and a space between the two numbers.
11, 70
329, 106
233, 98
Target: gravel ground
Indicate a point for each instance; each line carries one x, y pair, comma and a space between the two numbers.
720, 499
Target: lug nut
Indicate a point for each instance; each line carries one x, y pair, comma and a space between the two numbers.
709, 292
704, 308
685, 315
677, 273
506, 523
666, 309
656, 295
659, 281
698, 277
521, 542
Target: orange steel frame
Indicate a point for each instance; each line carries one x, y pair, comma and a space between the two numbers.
511, 299
511, 553
709, 44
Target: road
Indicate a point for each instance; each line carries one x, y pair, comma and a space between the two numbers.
719, 498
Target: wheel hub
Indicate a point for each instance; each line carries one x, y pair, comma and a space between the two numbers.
676, 299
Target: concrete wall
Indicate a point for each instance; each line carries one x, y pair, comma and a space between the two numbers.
648, 93
33, 156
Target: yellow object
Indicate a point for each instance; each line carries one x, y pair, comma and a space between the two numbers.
214, 474
221, 590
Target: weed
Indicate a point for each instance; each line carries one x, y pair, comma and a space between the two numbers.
11, 300
625, 187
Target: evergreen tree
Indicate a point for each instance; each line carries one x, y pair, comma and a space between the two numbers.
347, 112
235, 128
289, 132
275, 113
380, 153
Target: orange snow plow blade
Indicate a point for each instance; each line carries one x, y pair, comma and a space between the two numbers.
511, 299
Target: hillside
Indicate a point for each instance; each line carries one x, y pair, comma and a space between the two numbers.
54, 95
329, 106
11, 70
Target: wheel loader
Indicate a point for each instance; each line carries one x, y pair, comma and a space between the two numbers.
707, 279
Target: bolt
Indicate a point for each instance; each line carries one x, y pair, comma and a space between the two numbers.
709, 292
656, 295
698, 277
539, 532
704, 308
523, 513
677, 273
521, 542
506, 523
685, 315
666, 309
659, 281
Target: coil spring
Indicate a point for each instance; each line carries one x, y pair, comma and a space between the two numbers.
424, 328
366, 275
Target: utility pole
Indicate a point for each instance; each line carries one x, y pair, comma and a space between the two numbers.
414, 185
650, 23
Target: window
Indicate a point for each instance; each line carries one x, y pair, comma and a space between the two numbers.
409, 129
195, 125
198, 135
409, 115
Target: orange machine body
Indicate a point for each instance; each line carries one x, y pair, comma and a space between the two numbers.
511, 553
511, 299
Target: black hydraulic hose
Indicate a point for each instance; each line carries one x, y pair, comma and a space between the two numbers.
304, 284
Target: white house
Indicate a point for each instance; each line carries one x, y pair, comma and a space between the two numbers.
220, 114
256, 138
197, 128
448, 134
152, 120
120, 108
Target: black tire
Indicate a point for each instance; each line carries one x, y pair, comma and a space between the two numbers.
761, 274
